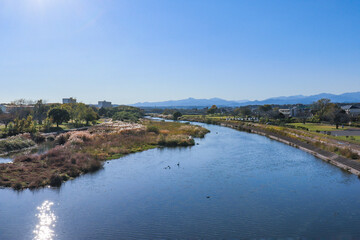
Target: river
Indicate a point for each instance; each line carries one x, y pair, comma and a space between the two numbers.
231, 185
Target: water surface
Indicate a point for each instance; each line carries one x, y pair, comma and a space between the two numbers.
232, 185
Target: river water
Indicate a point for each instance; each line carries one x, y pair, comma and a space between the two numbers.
232, 185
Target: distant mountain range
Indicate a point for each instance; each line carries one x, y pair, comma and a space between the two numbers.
192, 102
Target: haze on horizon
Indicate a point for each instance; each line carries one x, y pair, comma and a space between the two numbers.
130, 51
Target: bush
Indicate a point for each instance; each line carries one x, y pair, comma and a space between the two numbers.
302, 128
153, 129
55, 180
94, 166
175, 140
61, 139
38, 138
17, 186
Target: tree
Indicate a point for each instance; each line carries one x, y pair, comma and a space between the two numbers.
19, 102
176, 115
265, 108
124, 115
71, 109
103, 111
58, 116
6, 118
340, 117
40, 111
80, 112
319, 107
212, 110
90, 115
243, 111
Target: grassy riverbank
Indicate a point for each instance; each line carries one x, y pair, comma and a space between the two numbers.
78, 152
15, 143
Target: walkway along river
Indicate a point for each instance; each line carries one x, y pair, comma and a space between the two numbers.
232, 185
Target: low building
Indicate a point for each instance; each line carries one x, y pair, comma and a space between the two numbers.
352, 110
69, 100
11, 108
289, 112
104, 104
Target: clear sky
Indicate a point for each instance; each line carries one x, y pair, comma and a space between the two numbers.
154, 50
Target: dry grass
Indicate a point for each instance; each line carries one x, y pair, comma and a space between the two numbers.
32, 171
80, 152
16, 143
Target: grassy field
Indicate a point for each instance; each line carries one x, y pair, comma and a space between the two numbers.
318, 126
354, 139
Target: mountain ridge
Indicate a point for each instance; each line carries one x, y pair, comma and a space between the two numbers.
351, 97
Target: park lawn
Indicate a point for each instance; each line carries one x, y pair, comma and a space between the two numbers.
318, 126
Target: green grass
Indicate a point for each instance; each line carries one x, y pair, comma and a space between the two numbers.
354, 139
318, 126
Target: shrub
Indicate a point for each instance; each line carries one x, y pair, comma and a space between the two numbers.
55, 180
175, 140
17, 186
302, 128
38, 138
153, 129
61, 139
50, 138
94, 166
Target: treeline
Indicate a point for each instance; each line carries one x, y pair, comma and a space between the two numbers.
322, 110
122, 113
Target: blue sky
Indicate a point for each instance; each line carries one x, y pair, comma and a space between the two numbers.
154, 50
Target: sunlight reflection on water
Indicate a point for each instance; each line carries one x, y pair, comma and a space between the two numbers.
44, 229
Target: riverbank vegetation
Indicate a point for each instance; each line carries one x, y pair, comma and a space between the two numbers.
322, 141
31, 117
79, 152
38, 118
16, 143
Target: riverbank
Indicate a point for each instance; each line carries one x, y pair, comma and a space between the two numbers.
15, 144
341, 154
80, 152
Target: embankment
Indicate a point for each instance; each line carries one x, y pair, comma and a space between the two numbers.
317, 147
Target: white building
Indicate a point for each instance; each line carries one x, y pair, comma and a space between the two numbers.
69, 100
351, 109
104, 104
289, 112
